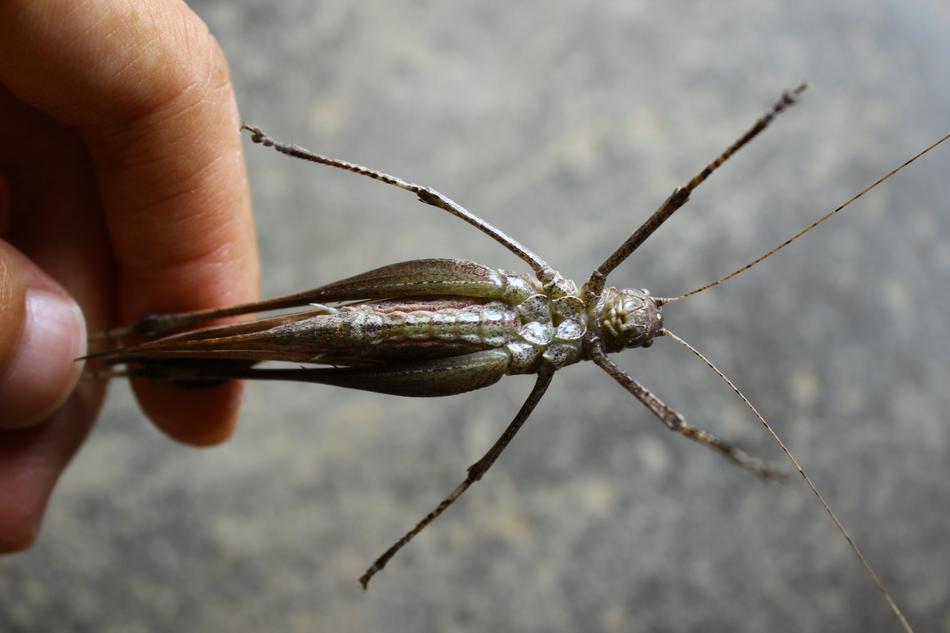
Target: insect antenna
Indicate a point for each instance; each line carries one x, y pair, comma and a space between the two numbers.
739, 271
811, 485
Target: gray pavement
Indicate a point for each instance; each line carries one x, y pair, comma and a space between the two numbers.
565, 123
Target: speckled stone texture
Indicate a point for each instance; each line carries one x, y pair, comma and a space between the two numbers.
565, 123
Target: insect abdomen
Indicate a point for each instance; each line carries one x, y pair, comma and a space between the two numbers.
436, 327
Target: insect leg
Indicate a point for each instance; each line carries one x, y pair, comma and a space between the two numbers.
425, 194
415, 278
808, 481
675, 422
154, 325
475, 472
595, 284
419, 379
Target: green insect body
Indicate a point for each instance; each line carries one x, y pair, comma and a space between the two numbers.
447, 326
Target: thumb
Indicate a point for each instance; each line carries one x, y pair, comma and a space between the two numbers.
42, 331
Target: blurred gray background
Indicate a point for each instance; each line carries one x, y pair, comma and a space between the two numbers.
565, 123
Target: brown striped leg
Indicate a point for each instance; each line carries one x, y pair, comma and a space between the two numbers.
675, 421
595, 284
425, 194
475, 472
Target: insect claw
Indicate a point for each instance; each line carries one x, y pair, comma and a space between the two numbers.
257, 135
367, 575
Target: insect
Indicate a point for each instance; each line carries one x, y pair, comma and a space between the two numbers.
439, 327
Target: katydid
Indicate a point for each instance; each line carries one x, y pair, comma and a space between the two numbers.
439, 327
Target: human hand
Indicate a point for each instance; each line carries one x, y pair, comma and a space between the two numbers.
122, 189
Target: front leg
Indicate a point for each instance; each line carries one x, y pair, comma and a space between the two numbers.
675, 421
595, 283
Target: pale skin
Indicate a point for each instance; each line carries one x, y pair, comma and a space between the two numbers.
122, 187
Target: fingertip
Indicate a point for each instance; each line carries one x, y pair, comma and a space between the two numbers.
44, 332
204, 416
21, 515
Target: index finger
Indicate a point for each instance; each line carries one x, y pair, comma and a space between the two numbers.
148, 89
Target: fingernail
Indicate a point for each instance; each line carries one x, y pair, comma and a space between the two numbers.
44, 370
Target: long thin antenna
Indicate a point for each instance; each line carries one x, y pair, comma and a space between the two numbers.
841, 528
739, 271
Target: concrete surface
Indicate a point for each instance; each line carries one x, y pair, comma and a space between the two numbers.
565, 123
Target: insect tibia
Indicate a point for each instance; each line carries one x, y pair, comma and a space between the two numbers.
474, 473
758, 467
428, 195
680, 195
674, 421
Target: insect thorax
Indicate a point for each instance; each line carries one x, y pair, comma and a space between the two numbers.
554, 321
